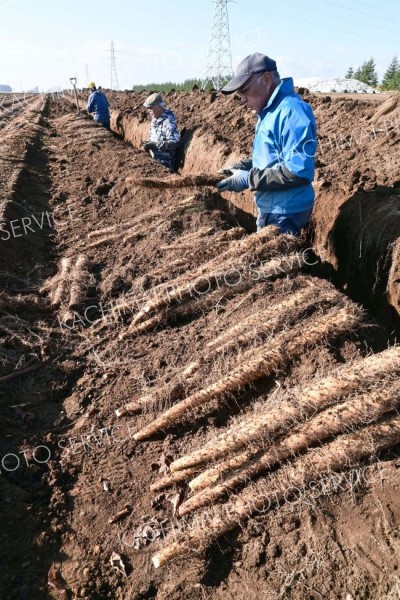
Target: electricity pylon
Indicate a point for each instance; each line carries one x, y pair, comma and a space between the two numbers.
114, 76
219, 61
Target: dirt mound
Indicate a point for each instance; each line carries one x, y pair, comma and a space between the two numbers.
174, 348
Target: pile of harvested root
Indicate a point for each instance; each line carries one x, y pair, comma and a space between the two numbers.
68, 288
262, 256
299, 434
356, 406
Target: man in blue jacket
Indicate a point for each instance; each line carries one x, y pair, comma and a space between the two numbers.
281, 169
98, 104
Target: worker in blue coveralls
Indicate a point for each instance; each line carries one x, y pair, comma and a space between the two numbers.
163, 139
98, 105
281, 169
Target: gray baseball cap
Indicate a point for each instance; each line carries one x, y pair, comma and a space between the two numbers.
153, 100
254, 63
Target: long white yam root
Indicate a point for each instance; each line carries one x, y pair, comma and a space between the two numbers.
339, 419
165, 394
104, 231
80, 281
268, 358
264, 245
62, 279
123, 226
194, 305
290, 313
129, 229
187, 241
306, 402
344, 452
193, 180
211, 475
104, 240
173, 478
226, 276
142, 327
227, 235
253, 320
267, 243
315, 299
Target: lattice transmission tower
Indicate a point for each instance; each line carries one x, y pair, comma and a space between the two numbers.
114, 84
219, 62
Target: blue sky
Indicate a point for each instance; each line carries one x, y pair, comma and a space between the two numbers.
44, 42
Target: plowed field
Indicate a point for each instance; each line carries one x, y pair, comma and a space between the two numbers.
190, 409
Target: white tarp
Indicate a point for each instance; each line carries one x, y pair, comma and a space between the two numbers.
340, 85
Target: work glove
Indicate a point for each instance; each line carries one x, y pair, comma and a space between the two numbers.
245, 164
237, 182
226, 170
149, 146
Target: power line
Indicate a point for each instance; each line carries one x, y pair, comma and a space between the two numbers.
356, 10
319, 25
327, 14
378, 7
219, 63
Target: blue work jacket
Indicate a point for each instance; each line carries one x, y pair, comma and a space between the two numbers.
98, 104
286, 136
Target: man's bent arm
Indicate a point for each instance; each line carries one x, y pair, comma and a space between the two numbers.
265, 180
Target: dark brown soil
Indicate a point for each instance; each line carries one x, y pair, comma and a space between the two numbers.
343, 544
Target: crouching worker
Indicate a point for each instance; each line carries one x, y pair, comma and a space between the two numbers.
164, 137
281, 169
98, 105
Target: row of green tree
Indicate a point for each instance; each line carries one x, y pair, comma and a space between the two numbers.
367, 74
167, 86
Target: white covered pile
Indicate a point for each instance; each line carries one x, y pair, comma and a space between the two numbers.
339, 85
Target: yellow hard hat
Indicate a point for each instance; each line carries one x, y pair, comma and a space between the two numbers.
91, 85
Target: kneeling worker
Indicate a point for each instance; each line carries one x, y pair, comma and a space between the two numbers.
281, 169
98, 104
164, 137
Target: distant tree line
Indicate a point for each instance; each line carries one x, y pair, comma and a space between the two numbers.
167, 86
367, 74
